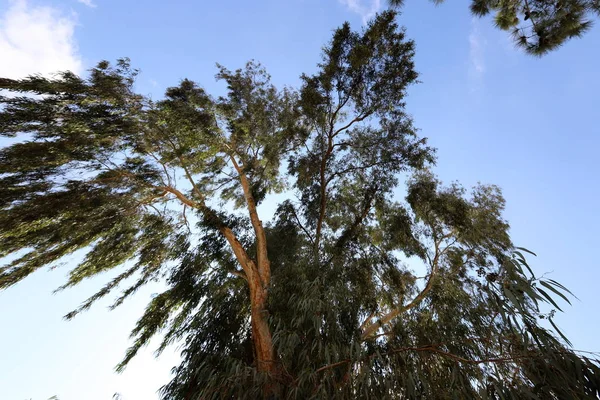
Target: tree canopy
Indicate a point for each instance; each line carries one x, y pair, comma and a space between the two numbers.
537, 26
372, 279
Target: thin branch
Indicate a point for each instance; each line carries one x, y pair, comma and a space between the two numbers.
240, 274
155, 209
323, 191
186, 171
350, 233
356, 167
308, 235
369, 318
372, 328
349, 124
530, 16
434, 348
337, 364
187, 224
169, 183
308, 150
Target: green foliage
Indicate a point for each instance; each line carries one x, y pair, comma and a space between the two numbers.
370, 295
537, 26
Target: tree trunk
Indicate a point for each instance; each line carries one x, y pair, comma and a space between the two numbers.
262, 339
261, 334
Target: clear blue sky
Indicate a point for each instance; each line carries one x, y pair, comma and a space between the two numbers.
496, 116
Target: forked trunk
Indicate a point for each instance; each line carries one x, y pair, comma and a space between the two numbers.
258, 275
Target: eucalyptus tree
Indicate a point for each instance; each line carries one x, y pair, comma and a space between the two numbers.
351, 290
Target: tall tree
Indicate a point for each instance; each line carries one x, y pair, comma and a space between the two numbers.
322, 301
537, 26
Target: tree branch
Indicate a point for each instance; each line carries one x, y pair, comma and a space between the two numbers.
349, 124
387, 318
308, 235
434, 348
323, 190
264, 267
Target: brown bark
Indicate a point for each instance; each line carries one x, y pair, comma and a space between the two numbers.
259, 277
261, 334
262, 259
257, 274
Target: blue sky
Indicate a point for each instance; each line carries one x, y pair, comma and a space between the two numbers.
497, 116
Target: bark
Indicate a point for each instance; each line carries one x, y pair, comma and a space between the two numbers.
261, 333
259, 277
264, 265
257, 274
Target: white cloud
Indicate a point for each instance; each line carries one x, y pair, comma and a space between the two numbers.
36, 39
366, 11
88, 3
477, 45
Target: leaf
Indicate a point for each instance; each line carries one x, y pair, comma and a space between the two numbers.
531, 292
560, 332
578, 368
547, 285
525, 250
513, 299
562, 287
524, 262
549, 298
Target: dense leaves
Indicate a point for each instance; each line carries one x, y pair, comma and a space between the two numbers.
351, 290
537, 26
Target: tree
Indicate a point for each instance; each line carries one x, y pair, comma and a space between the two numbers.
320, 301
537, 26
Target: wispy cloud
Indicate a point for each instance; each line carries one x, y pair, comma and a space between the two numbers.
36, 39
88, 3
365, 8
477, 45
